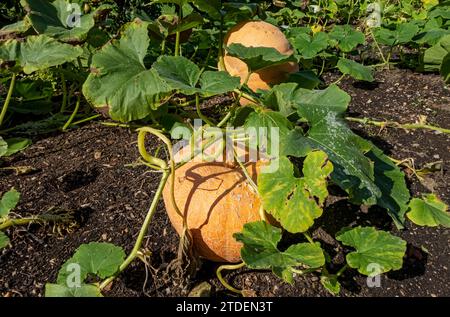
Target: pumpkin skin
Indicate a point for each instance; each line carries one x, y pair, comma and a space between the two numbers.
217, 201
259, 34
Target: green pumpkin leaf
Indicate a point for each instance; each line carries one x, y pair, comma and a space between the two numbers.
3, 147
85, 290
309, 46
346, 37
292, 200
353, 171
211, 7
183, 75
260, 250
258, 58
38, 53
296, 144
100, 259
331, 283
19, 27
4, 240
60, 19
428, 211
16, 145
216, 83
179, 72
360, 168
268, 120
187, 23
435, 55
431, 37
376, 250
354, 69
281, 98
304, 79
120, 81
391, 182
403, 34
445, 68
8, 202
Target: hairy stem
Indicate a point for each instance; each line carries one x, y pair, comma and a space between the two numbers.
167, 171
9, 222
394, 124
86, 119
134, 253
8, 98
143, 152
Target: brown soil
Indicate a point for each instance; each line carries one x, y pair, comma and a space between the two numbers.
84, 171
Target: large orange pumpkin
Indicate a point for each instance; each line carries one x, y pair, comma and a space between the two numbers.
217, 200
259, 34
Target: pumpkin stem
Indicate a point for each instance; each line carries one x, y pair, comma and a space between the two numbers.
223, 281
8, 98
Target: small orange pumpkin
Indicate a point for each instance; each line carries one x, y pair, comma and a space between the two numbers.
259, 34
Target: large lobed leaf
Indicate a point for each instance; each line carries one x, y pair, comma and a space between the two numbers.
184, 76
120, 82
61, 19
38, 53
292, 200
376, 251
402, 34
323, 110
309, 46
100, 259
359, 167
346, 37
260, 250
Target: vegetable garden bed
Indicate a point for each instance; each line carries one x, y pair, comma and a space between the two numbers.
85, 171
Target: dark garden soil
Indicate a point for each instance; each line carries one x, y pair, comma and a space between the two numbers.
85, 171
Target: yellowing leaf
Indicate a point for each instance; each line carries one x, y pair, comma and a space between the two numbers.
429, 211
292, 200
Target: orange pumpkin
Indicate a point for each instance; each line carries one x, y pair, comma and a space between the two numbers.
217, 200
259, 34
